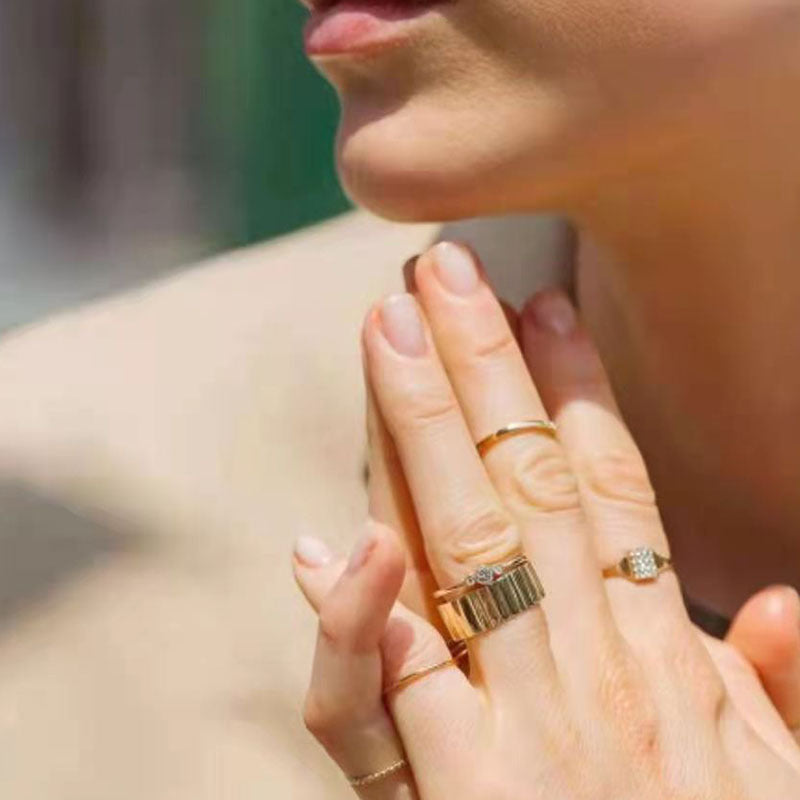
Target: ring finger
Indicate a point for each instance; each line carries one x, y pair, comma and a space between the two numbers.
615, 488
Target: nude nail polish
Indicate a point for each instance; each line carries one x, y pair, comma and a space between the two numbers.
552, 311
402, 325
456, 268
312, 552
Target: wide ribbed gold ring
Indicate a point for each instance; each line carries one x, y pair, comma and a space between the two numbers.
515, 429
639, 566
490, 596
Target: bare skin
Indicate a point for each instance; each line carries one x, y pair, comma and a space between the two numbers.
167, 432
174, 659
166, 657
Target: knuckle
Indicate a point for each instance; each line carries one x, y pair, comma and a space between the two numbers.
542, 479
619, 476
426, 408
477, 536
501, 345
321, 718
624, 696
695, 672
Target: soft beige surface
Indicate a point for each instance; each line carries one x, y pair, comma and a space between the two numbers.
159, 454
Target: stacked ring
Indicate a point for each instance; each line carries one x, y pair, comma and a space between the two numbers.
489, 597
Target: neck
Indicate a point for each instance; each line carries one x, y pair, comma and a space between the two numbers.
689, 275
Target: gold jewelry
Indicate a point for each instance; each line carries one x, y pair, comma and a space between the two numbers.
514, 429
373, 777
639, 565
459, 651
489, 597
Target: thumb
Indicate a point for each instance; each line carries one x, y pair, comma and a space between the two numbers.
766, 631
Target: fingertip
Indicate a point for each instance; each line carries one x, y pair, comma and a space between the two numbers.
311, 552
550, 311
388, 557
357, 608
767, 628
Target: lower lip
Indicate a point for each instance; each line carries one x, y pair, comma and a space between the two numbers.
360, 27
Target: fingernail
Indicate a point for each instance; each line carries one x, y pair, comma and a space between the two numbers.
552, 311
409, 278
361, 552
402, 325
456, 268
312, 552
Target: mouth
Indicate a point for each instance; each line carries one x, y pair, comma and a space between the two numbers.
325, 5
350, 27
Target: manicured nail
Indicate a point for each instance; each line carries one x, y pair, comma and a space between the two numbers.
312, 552
552, 311
456, 268
361, 552
402, 325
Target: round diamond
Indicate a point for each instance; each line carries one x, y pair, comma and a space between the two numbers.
484, 575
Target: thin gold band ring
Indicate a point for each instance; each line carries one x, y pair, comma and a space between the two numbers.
373, 777
459, 651
515, 429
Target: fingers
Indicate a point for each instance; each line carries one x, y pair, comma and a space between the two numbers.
450, 489
390, 503
343, 708
615, 489
766, 631
366, 642
530, 472
463, 520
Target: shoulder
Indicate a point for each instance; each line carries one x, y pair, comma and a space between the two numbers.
202, 344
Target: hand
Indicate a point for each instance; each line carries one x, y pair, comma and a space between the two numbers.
606, 689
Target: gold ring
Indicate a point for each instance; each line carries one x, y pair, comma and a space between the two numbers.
515, 429
639, 566
459, 651
489, 597
374, 777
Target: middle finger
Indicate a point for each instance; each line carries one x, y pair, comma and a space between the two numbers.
531, 471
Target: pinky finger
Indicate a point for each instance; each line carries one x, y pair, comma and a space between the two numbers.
344, 709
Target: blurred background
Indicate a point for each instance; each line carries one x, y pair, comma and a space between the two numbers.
138, 135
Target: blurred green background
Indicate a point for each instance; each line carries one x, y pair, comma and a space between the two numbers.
138, 136
280, 118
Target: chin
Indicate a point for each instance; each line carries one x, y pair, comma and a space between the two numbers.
418, 163
397, 168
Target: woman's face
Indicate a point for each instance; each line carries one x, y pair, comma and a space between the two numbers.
472, 107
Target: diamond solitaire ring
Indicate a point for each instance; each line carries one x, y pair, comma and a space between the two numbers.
639, 565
